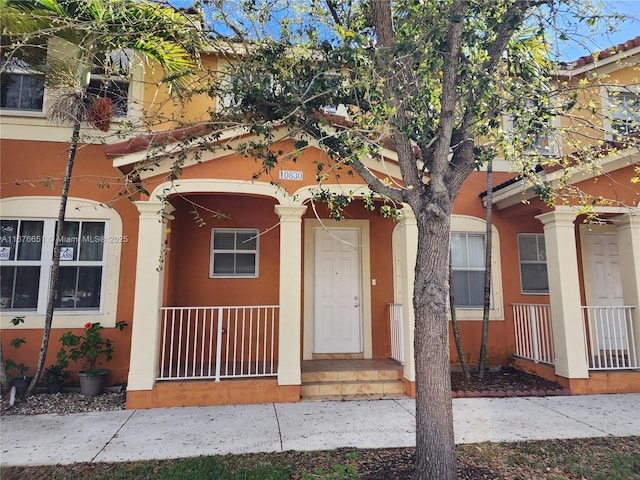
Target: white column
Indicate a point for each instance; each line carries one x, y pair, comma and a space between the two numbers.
628, 229
145, 334
564, 293
290, 293
406, 245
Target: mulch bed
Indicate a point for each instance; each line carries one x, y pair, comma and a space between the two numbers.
503, 382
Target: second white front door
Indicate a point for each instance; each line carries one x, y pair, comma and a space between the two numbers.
337, 291
606, 291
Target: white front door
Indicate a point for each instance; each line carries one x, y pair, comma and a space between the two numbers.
606, 282
606, 290
337, 291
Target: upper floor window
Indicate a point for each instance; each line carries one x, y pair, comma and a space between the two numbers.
533, 263
21, 88
110, 79
26, 254
624, 108
534, 130
234, 252
468, 265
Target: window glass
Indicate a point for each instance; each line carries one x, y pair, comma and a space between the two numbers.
224, 263
246, 263
30, 240
22, 238
224, 240
625, 110
467, 257
27, 257
116, 90
92, 241
8, 239
234, 252
79, 288
528, 245
21, 91
7, 275
468, 288
19, 287
533, 263
109, 79
246, 240
534, 278
70, 233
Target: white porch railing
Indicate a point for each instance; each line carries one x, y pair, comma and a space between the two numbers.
397, 334
218, 342
534, 336
610, 338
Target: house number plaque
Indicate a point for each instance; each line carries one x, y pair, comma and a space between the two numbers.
290, 175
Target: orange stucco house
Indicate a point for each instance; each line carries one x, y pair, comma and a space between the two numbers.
236, 307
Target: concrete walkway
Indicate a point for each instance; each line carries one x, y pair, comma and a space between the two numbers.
184, 432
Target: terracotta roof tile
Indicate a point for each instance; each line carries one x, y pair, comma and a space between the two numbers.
607, 52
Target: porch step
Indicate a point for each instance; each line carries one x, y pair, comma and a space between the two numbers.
351, 379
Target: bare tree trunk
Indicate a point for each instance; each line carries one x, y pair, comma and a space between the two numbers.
487, 273
454, 325
435, 447
57, 246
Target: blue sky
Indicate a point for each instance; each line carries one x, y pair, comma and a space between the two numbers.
585, 41
625, 31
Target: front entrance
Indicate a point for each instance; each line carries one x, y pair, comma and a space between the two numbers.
337, 294
606, 289
606, 282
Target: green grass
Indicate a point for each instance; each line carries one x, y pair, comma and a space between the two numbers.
592, 459
609, 458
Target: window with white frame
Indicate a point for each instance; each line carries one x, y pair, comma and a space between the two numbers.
237, 85
468, 266
26, 257
533, 263
110, 79
624, 110
537, 134
234, 252
21, 87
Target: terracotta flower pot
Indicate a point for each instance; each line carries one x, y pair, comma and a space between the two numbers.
92, 385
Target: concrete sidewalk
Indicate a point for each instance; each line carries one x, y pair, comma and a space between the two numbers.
184, 432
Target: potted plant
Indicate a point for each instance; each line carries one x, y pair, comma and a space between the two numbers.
54, 377
89, 348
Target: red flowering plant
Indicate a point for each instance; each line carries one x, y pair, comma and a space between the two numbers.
87, 348
101, 113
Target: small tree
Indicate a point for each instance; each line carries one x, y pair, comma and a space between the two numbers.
484, 338
97, 29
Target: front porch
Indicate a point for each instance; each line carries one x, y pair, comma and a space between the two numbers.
609, 337
205, 335
229, 355
590, 330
